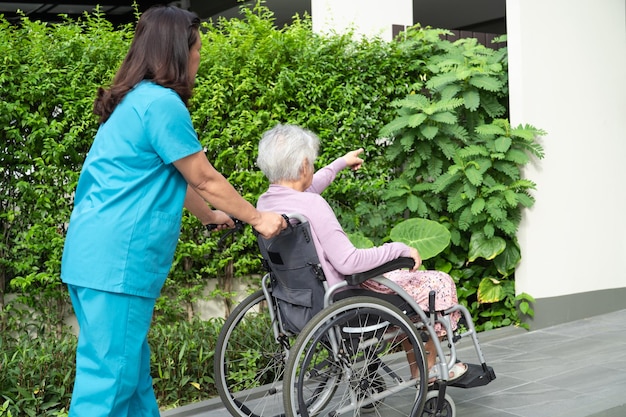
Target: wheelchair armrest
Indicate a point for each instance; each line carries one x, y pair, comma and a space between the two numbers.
358, 278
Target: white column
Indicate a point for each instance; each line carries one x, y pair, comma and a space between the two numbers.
567, 75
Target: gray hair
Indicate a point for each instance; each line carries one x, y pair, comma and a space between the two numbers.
282, 150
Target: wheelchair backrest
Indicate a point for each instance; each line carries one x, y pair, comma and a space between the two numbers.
297, 277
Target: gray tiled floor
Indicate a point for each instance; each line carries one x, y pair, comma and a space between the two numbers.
576, 369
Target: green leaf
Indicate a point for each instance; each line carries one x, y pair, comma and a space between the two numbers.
524, 307
527, 132
413, 102
489, 230
416, 119
474, 175
490, 290
517, 156
508, 168
394, 192
429, 237
471, 99
525, 200
502, 144
491, 106
473, 150
525, 300
412, 202
444, 117
407, 141
440, 81
447, 146
490, 129
445, 181
429, 132
485, 82
507, 261
511, 198
450, 91
466, 219
478, 205
395, 125
481, 247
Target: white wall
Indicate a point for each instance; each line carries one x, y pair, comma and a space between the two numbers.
567, 76
366, 17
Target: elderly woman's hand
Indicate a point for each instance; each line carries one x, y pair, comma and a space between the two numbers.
416, 257
353, 160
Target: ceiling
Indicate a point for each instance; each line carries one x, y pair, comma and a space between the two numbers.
476, 15
118, 11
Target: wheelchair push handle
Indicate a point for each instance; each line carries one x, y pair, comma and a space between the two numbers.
240, 224
295, 216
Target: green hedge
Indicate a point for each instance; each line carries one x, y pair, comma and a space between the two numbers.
37, 373
430, 114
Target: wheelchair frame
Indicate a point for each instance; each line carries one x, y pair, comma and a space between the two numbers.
333, 367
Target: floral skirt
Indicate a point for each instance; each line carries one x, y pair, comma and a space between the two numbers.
418, 285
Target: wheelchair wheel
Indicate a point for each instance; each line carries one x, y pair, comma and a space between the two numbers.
358, 344
430, 406
249, 363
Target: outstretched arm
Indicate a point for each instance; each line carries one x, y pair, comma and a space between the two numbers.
326, 175
353, 160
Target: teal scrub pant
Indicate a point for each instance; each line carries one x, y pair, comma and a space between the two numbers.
113, 356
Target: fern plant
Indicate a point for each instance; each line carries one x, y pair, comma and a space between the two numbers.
459, 162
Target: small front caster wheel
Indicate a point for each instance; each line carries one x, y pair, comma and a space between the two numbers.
430, 406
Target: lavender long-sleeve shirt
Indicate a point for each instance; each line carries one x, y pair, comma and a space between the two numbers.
338, 256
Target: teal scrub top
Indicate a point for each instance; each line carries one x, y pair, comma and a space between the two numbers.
128, 204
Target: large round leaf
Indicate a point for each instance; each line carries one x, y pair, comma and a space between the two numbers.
428, 237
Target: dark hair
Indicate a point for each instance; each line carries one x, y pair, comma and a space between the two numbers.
159, 52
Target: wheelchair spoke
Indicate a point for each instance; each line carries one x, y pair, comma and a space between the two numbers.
364, 342
249, 365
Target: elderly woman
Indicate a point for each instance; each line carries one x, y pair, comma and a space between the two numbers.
287, 155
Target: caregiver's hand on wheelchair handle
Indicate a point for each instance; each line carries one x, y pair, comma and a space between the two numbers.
276, 223
270, 224
220, 221
416, 257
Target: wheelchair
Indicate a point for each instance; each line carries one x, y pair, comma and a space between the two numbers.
335, 351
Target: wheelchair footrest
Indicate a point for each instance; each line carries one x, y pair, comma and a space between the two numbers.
475, 376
